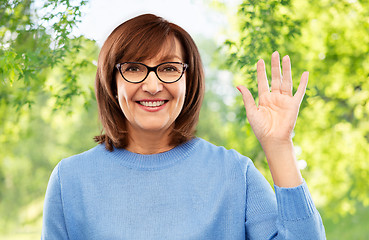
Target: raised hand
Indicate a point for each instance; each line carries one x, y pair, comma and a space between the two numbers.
274, 119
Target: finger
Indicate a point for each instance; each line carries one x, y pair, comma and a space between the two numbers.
276, 73
248, 100
263, 85
286, 87
299, 95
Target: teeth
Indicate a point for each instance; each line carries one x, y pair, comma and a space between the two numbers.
152, 104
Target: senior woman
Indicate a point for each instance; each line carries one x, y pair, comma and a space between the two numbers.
151, 178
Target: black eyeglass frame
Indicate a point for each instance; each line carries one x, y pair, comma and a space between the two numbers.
151, 69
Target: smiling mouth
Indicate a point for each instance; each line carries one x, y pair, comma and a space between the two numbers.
152, 103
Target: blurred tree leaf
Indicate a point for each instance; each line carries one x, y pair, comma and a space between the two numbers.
33, 40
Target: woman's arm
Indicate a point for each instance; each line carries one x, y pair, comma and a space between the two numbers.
274, 119
53, 226
288, 214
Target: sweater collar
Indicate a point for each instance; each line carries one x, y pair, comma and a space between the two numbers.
153, 161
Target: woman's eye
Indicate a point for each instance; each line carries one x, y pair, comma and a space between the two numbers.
170, 69
132, 69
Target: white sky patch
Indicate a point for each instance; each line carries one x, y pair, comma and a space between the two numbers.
298, 150
196, 17
301, 164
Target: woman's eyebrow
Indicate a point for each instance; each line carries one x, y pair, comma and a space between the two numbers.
170, 58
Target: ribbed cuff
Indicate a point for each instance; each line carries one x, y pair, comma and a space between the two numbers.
294, 203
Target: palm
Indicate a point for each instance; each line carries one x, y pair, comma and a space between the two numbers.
275, 116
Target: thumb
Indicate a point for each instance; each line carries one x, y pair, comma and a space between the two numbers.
248, 100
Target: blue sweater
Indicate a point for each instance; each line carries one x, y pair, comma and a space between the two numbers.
194, 191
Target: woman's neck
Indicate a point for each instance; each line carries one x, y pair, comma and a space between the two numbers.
148, 142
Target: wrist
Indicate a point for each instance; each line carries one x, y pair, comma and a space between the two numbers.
277, 145
282, 163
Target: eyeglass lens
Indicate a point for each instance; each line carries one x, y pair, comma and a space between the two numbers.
167, 72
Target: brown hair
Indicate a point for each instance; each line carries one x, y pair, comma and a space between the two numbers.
142, 38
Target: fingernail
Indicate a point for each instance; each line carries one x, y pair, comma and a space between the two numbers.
238, 88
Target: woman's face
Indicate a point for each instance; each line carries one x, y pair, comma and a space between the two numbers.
153, 106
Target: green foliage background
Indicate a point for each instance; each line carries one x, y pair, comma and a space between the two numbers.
48, 110
330, 40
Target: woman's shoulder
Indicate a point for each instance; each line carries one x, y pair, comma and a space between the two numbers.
84, 159
221, 153
210, 147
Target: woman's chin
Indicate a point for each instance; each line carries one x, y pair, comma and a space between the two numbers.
151, 127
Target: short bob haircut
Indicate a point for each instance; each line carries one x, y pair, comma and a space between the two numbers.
138, 39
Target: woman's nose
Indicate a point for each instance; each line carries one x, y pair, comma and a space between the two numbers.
152, 84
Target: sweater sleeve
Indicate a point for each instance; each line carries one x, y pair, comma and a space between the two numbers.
289, 213
53, 216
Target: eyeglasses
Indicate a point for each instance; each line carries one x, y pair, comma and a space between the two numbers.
167, 72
